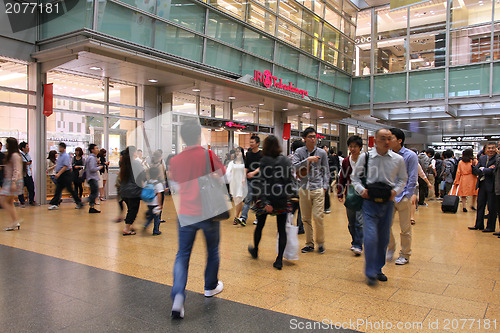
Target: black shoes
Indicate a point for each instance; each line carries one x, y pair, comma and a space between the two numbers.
92, 210
253, 251
464, 210
381, 277
321, 249
157, 233
489, 230
496, 234
371, 281
308, 249
475, 228
278, 265
301, 232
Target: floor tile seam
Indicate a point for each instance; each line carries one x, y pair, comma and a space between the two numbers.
435, 308
376, 314
432, 294
494, 285
445, 289
486, 311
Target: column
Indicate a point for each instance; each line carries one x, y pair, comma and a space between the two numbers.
166, 139
152, 120
342, 139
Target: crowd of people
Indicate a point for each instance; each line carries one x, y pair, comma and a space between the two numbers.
372, 185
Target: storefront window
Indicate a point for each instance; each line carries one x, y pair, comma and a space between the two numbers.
363, 44
258, 44
287, 56
70, 105
331, 55
76, 86
122, 111
428, 16
470, 12
13, 74
183, 12
390, 56
471, 45
350, 11
391, 23
332, 17
291, 10
225, 29
268, 4
324, 128
331, 36
496, 42
327, 74
309, 44
223, 57
245, 114
184, 103
348, 28
211, 108
122, 133
294, 121
427, 51
122, 93
311, 24
233, 7
13, 123
337, 4
261, 19
177, 41
497, 10
289, 33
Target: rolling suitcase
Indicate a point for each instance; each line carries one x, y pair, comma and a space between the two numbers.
450, 202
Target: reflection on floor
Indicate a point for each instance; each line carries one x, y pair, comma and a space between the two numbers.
452, 273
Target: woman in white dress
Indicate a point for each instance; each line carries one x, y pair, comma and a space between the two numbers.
237, 182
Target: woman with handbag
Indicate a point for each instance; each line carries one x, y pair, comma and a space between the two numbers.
13, 182
273, 192
465, 180
352, 201
77, 166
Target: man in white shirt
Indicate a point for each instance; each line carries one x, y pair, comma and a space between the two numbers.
386, 177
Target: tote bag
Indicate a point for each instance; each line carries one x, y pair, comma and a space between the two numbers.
292, 240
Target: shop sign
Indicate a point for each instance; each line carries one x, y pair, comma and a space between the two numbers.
473, 138
231, 124
269, 81
321, 136
48, 99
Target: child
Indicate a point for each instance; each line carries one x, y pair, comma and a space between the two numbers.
155, 206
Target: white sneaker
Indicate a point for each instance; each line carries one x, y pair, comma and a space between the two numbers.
357, 251
389, 256
217, 290
402, 261
178, 307
53, 207
98, 202
328, 211
255, 222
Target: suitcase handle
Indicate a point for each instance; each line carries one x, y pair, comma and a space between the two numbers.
451, 190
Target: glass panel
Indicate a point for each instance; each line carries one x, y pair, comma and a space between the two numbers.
327, 74
391, 23
250, 64
178, 41
360, 90
211, 108
258, 44
311, 24
261, 19
318, 7
331, 36
223, 57
308, 65
341, 98
391, 56
13, 75
427, 84
64, 104
268, 4
330, 55
497, 10
285, 74
350, 11
332, 17
428, 16
292, 11
427, 51
363, 44
14, 123
347, 28
345, 63
122, 93
469, 81
265, 117
309, 44
337, 4
122, 133
184, 103
325, 92
343, 81
496, 41
389, 88
147, 6
120, 111
471, 45
54, 24
294, 120
307, 84
346, 46
76, 86
470, 12
11, 97
233, 7
496, 78
245, 114
289, 33
124, 23
286, 56
225, 29
183, 12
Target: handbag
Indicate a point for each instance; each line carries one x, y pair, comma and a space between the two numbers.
213, 193
352, 199
442, 185
379, 192
292, 240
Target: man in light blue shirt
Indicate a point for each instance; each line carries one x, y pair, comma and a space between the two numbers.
403, 200
92, 176
64, 179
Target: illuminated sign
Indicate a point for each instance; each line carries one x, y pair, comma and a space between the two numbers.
321, 136
269, 81
231, 124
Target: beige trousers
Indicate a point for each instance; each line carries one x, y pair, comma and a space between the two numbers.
403, 208
312, 202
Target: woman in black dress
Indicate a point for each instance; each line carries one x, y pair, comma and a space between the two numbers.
77, 166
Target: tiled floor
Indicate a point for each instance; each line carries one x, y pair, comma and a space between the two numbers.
452, 274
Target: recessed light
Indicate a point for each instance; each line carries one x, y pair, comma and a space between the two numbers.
153, 80
232, 97
196, 89
285, 109
95, 68
261, 104
321, 117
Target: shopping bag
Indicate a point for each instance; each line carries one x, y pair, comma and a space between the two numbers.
442, 185
292, 240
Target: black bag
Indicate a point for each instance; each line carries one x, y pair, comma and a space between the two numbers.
379, 192
450, 203
352, 199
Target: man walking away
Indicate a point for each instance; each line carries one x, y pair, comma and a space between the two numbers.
425, 159
92, 176
252, 163
24, 150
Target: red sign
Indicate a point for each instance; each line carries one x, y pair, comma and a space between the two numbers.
268, 80
321, 136
231, 124
371, 141
48, 99
287, 129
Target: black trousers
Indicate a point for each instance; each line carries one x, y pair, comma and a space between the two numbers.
327, 200
79, 188
436, 187
65, 181
261, 221
486, 198
133, 205
30, 186
423, 191
94, 191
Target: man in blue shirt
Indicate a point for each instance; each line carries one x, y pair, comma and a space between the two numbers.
403, 200
92, 176
24, 150
64, 179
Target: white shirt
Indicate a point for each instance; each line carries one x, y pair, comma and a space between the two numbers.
158, 189
389, 169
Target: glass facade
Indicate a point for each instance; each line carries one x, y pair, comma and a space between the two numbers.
235, 36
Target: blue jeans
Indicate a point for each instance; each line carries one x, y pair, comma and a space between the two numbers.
378, 220
355, 226
94, 191
247, 201
187, 235
152, 217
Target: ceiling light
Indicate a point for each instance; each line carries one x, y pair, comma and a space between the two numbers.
232, 97
196, 90
321, 117
95, 68
153, 80
261, 104
285, 109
